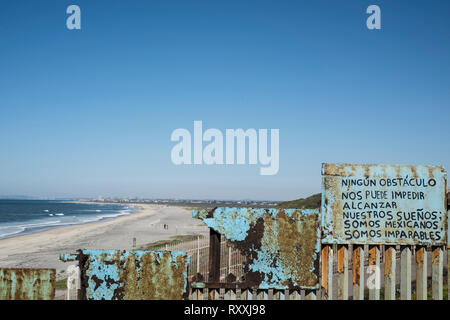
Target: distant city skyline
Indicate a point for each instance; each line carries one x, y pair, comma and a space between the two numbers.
90, 112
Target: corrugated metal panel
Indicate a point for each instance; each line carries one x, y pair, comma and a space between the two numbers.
132, 275
27, 284
282, 245
383, 204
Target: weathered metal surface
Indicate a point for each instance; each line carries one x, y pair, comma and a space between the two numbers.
390, 266
27, 284
132, 275
437, 277
405, 273
282, 246
358, 272
342, 272
383, 204
374, 278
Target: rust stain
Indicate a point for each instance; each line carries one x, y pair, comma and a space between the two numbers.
325, 253
372, 255
435, 256
356, 265
420, 254
388, 261
341, 259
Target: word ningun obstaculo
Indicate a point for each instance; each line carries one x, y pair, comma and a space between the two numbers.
390, 182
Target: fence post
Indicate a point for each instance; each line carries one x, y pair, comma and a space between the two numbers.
327, 272
405, 274
342, 269
421, 273
390, 264
374, 267
437, 266
358, 272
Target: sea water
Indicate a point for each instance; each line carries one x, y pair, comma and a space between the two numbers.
19, 217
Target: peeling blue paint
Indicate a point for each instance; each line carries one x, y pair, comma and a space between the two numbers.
282, 245
390, 205
135, 274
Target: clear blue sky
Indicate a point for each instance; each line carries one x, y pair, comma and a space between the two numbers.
90, 112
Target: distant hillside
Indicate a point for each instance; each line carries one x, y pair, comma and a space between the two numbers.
312, 202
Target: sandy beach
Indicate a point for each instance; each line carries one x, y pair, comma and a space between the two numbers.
42, 249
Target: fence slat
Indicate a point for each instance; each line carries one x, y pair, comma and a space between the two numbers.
310, 295
327, 272
405, 274
276, 295
421, 273
295, 295
448, 271
374, 272
214, 255
437, 268
358, 272
262, 295
342, 271
390, 264
213, 294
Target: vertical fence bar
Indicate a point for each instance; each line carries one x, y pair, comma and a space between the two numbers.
295, 295
405, 274
214, 256
327, 272
262, 294
198, 254
437, 267
342, 271
358, 272
276, 295
310, 295
374, 272
390, 265
421, 273
214, 262
448, 270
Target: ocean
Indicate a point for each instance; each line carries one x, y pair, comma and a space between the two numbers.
18, 217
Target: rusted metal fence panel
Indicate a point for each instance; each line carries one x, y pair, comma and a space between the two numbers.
131, 275
281, 245
27, 284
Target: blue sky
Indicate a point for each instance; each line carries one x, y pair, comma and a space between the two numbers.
90, 112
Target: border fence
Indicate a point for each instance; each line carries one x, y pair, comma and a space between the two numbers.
338, 252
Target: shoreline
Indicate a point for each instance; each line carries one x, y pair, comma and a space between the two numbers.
134, 209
